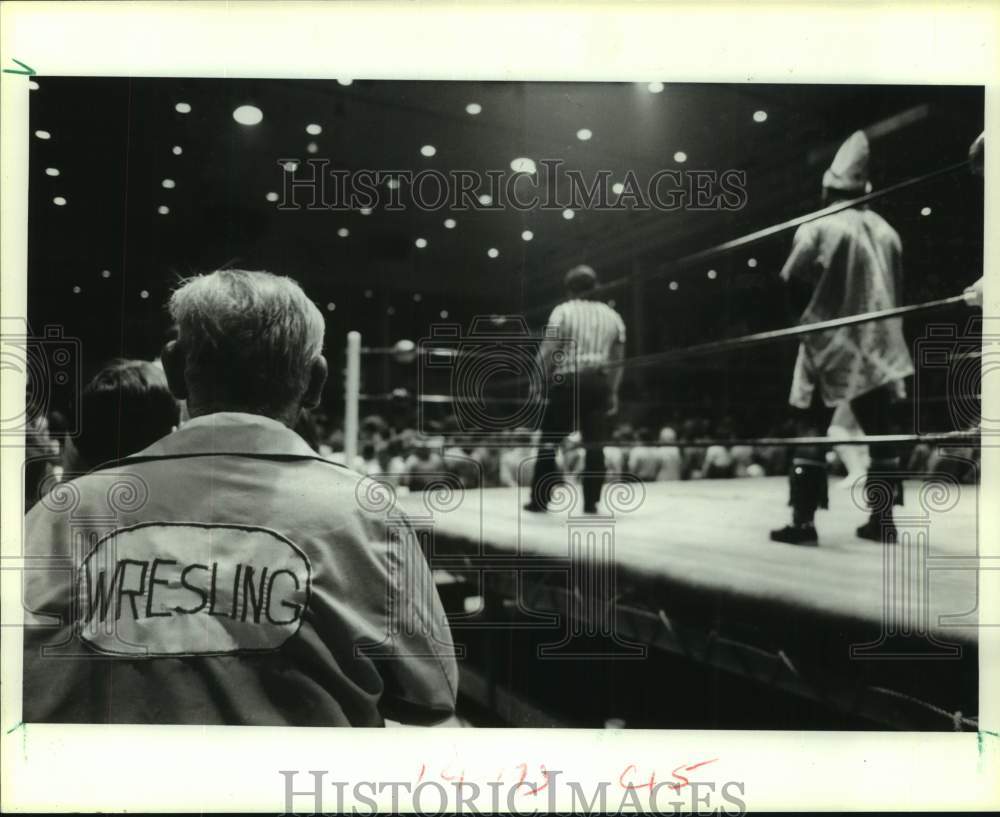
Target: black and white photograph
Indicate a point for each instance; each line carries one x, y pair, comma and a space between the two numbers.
463, 404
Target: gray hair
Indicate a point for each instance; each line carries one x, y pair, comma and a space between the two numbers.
249, 338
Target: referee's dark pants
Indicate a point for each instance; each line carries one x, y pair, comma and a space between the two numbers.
579, 403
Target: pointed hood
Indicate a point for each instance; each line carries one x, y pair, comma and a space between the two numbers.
849, 170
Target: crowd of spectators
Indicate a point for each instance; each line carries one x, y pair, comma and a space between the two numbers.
687, 450
401, 455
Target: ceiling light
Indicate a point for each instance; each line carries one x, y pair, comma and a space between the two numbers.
926, 211
331, 306
365, 211
493, 252
177, 150
52, 171
527, 235
417, 297
473, 108
106, 273
486, 200
584, 134
312, 147
449, 223
712, 274
421, 243
751, 262
144, 294
76, 290
170, 184
428, 150
343, 232
43, 134
290, 167
760, 116
523, 165
32, 85
655, 87
59, 200
444, 314
163, 209
248, 115
272, 196
345, 81
368, 293
618, 188
390, 311
674, 286
314, 130
680, 157
392, 184
568, 214
182, 107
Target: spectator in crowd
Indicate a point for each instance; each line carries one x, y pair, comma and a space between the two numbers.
669, 456
392, 465
616, 454
40, 457
743, 458
424, 466
125, 407
718, 462
643, 458
517, 462
692, 454
241, 582
370, 465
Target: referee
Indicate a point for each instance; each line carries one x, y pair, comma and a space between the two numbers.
581, 361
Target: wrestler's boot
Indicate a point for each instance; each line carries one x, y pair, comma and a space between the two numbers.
807, 491
883, 489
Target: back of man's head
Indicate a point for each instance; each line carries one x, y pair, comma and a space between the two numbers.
249, 341
123, 409
580, 281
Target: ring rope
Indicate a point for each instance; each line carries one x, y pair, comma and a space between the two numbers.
774, 229
757, 338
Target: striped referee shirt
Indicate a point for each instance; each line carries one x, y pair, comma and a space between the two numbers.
589, 330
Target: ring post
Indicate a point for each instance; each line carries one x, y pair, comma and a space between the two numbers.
352, 390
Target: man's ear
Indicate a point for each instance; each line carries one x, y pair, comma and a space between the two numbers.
317, 379
173, 360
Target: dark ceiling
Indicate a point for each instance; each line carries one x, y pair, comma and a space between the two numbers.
112, 142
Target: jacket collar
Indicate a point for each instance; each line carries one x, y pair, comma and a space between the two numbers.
230, 432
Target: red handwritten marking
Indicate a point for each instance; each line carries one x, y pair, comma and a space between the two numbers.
423, 768
460, 778
624, 785
686, 782
545, 785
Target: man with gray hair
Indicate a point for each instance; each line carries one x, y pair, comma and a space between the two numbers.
236, 579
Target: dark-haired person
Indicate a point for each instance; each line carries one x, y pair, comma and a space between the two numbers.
580, 357
842, 264
125, 407
241, 581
